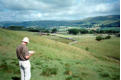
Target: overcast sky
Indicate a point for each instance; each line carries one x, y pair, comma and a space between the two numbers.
28, 10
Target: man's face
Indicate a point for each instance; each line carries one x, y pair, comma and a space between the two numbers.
26, 43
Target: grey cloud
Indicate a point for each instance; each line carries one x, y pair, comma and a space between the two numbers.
56, 9
36, 4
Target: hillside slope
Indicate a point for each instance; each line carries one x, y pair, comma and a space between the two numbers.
53, 60
106, 21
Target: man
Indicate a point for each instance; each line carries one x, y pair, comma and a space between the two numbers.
23, 55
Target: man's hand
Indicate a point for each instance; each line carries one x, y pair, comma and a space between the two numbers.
30, 54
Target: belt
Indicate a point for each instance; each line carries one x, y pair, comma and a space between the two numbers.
23, 60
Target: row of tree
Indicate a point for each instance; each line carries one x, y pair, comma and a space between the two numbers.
31, 29
76, 31
54, 30
85, 31
99, 38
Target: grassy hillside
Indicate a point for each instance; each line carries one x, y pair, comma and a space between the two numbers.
109, 48
102, 19
54, 60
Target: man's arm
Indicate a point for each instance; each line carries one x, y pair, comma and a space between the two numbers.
27, 57
30, 54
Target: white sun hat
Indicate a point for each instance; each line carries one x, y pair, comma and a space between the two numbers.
26, 39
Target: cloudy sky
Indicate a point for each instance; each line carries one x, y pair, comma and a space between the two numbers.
29, 10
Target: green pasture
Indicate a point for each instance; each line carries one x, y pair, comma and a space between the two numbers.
109, 48
55, 60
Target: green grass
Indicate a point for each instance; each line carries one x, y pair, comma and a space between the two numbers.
55, 60
57, 38
107, 48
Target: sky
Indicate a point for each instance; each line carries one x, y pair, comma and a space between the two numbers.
31, 10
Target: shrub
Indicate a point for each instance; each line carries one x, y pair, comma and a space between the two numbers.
73, 31
46, 31
105, 74
33, 30
83, 31
86, 48
108, 37
16, 27
99, 38
54, 30
92, 31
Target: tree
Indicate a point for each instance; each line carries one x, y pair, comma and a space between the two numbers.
31, 29
83, 31
16, 27
73, 31
99, 38
92, 31
108, 37
46, 31
54, 30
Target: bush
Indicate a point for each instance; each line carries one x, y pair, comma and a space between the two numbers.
33, 30
92, 31
108, 37
54, 30
99, 38
16, 27
86, 48
83, 31
73, 31
46, 31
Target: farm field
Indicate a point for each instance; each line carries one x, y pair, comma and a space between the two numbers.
55, 59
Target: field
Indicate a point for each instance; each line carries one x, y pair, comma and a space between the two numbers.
56, 59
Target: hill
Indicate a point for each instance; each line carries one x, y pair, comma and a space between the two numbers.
54, 60
105, 21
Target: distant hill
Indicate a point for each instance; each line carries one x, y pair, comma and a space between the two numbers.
104, 21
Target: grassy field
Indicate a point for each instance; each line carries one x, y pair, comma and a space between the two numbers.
55, 60
109, 48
